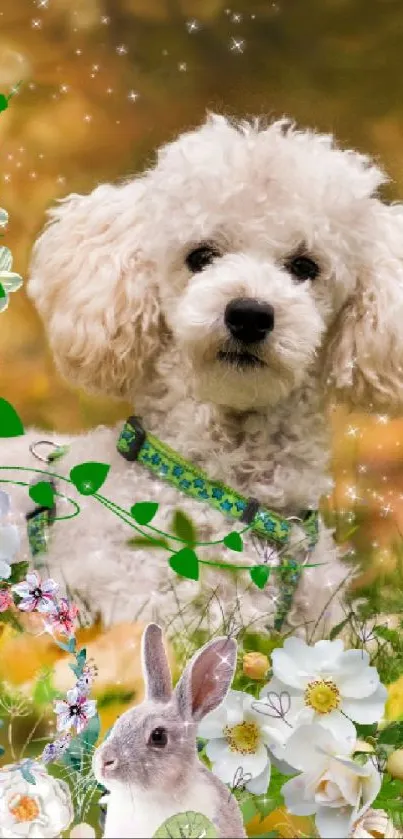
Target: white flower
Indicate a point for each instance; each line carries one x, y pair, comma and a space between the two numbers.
9, 280
331, 785
238, 741
33, 811
375, 824
324, 679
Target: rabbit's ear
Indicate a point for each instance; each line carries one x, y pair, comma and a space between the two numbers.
207, 679
156, 670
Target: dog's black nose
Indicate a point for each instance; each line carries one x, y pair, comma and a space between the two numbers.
248, 320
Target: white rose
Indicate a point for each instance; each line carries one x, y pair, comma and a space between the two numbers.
332, 786
33, 811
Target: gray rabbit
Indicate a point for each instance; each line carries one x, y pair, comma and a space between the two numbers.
149, 761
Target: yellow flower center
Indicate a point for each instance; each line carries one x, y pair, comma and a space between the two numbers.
243, 738
322, 695
25, 810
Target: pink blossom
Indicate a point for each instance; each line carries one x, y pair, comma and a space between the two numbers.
5, 599
63, 617
36, 596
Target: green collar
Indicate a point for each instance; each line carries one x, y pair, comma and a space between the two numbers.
134, 444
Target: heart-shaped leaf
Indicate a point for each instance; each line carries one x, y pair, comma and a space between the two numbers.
3, 102
144, 511
43, 494
10, 423
234, 541
185, 563
89, 477
190, 825
183, 527
260, 575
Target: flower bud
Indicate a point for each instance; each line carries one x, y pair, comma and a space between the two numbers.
255, 665
395, 764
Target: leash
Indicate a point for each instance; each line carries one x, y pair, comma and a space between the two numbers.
137, 445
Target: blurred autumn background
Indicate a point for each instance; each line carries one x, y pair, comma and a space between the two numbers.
104, 82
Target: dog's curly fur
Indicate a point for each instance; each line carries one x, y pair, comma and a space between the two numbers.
126, 317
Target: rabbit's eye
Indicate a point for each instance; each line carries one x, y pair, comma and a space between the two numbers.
159, 737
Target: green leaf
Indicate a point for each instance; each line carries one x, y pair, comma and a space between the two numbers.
389, 635
91, 733
89, 477
44, 692
3, 102
10, 618
338, 628
144, 511
80, 663
183, 527
3, 294
10, 423
188, 825
185, 563
26, 774
143, 542
392, 735
260, 575
233, 541
43, 494
19, 571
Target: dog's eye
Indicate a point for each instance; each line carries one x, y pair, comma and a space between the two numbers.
199, 258
303, 268
159, 737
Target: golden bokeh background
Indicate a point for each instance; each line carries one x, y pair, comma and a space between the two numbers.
104, 82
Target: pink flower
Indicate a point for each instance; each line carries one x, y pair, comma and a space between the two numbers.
5, 599
35, 595
63, 617
75, 711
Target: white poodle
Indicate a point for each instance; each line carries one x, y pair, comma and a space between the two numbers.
228, 294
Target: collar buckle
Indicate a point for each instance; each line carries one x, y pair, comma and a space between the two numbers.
131, 439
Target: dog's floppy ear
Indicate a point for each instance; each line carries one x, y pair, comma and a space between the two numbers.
95, 288
364, 354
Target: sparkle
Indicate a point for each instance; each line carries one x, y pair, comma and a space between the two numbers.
105, 20
351, 493
87, 118
61, 179
237, 45
95, 68
132, 95
109, 90
64, 88
192, 25
79, 52
182, 67
36, 23
386, 510
353, 431
236, 18
7, 178
121, 49
382, 419
362, 468
42, 4
33, 175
